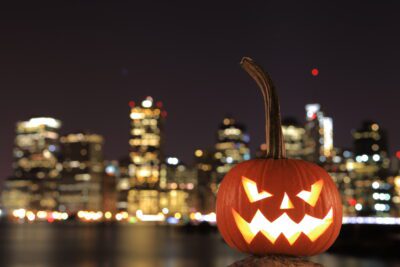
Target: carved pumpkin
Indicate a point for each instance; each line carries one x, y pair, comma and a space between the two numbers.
277, 205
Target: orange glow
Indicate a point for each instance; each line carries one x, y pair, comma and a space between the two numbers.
311, 197
286, 203
310, 226
250, 187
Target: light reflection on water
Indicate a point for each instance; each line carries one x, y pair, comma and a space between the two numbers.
45, 245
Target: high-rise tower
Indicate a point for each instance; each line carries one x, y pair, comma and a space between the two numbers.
319, 129
36, 166
80, 187
372, 190
146, 155
232, 146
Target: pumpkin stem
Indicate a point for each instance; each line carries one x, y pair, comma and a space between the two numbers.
273, 129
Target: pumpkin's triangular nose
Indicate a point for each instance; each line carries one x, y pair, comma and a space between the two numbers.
286, 203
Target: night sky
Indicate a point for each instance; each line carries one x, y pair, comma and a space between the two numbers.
83, 61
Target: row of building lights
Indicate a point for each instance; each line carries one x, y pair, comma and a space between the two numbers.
195, 217
231, 148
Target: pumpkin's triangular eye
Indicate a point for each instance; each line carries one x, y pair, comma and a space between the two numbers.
311, 197
250, 187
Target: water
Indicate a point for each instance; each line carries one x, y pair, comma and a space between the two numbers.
72, 245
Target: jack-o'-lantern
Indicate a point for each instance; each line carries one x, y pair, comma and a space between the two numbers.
277, 205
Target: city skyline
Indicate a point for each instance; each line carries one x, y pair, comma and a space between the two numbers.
189, 159
83, 69
67, 172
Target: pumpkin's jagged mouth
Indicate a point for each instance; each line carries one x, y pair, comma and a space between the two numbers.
310, 226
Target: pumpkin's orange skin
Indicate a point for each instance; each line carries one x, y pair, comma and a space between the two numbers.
277, 176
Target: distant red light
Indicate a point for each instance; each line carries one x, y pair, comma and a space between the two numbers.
398, 154
352, 202
50, 219
315, 72
131, 104
314, 116
159, 104
164, 114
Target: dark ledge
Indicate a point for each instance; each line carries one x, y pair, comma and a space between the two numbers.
275, 261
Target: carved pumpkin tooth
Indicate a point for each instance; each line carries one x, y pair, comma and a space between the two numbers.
311, 226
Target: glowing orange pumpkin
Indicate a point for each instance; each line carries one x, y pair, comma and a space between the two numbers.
277, 205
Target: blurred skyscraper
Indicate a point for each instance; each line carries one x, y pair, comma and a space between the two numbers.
312, 142
371, 140
109, 187
81, 185
146, 155
371, 169
36, 166
176, 175
295, 137
123, 181
232, 146
206, 181
319, 129
177, 183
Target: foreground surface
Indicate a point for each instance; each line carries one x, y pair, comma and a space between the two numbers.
72, 245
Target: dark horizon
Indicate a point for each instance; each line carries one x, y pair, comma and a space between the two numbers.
82, 62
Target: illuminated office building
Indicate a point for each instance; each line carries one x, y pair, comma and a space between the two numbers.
109, 186
177, 185
16, 193
175, 193
371, 170
319, 132
145, 155
123, 183
340, 168
81, 185
370, 144
295, 140
146, 143
295, 136
177, 175
36, 166
232, 146
206, 188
